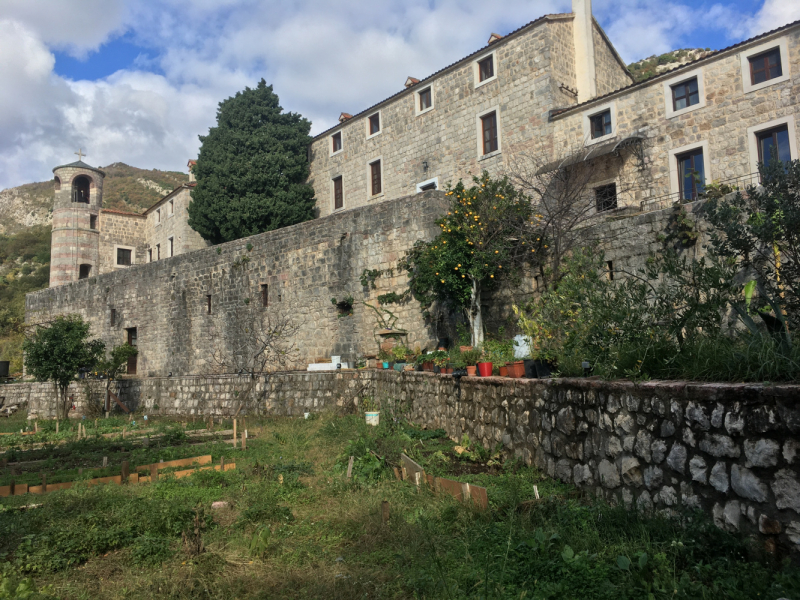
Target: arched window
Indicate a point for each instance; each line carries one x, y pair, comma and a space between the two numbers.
57, 181
80, 188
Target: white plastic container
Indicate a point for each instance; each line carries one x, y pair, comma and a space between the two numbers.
372, 418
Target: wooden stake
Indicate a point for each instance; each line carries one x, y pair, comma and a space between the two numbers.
397, 474
105, 462
244, 441
153, 473
234, 433
56, 425
222, 463
36, 426
125, 471
536, 492
123, 432
384, 512
350, 467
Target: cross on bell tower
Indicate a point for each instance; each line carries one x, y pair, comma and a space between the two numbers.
80, 154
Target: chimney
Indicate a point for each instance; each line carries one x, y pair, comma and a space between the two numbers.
344, 117
191, 165
411, 81
494, 37
583, 30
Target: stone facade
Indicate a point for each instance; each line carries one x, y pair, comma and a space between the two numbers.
442, 143
120, 230
168, 231
728, 449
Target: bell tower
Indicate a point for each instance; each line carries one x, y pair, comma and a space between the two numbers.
75, 248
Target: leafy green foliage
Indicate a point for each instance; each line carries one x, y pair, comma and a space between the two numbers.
252, 169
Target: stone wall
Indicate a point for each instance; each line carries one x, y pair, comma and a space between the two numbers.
120, 230
304, 266
732, 450
169, 218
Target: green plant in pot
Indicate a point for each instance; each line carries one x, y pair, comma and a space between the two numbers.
371, 408
440, 359
470, 359
385, 357
401, 354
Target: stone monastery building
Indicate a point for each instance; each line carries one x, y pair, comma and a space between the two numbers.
555, 88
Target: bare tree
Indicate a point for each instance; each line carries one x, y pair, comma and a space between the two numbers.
252, 341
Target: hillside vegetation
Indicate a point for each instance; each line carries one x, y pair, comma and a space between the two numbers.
656, 64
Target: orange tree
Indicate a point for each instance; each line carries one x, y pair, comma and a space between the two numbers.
489, 234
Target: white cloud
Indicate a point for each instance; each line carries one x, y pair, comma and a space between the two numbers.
773, 14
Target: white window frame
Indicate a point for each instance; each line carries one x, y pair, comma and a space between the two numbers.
422, 184
671, 113
752, 141
369, 178
587, 125
417, 110
745, 56
674, 181
133, 256
330, 143
476, 71
479, 131
333, 193
380, 123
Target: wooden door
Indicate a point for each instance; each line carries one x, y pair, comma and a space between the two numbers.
132, 359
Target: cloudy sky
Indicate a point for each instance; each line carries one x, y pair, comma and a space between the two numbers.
137, 82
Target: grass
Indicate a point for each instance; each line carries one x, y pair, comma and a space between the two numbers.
295, 527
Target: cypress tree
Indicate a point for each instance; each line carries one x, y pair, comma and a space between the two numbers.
252, 168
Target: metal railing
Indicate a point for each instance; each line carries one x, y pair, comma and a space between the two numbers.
739, 182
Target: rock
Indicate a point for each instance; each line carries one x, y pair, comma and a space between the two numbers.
645, 503
623, 424
768, 526
719, 445
659, 450
642, 446
627, 443
719, 477
667, 496
761, 453
697, 468
745, 483
717, 415
627, 498
786, 490
614, 446
677, 458
564, 471
696, 414
565, 420
613, 404
631, 473
582, 474
688, 498
734, 423
609, 476
653, 477
731, 515
688, 437
793, 532
667, 428
791, 449
219, 504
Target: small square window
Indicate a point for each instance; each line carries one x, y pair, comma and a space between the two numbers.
84, 271
605, 197
124, 257
489, 131
93, 222
375, 177
600, 124
338, 193
336, 140
486, 68
375, 124
765, 66
685, 94
425, 99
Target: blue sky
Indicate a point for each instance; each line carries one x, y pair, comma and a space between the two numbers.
137, 82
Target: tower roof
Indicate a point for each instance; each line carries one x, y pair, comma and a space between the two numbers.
79, 164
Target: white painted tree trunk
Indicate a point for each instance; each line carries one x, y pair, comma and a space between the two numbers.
474, 314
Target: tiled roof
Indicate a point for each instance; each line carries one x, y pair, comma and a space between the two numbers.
450, 66
685, 66
121, 212
158, 203
79, 164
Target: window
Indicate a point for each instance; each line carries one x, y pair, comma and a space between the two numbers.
92, 221
375, 177
80, 189
336, 142
158, 251
691, 174
171, 246
57, 183
427, 187
489, 131
600, 124
425, 100
774, 143
124, 257
605, 197
264, 294
375, 124
685, 94
486, 68
113, 320
338, 193
171, 207
610, 270
132, 341
765, 66
84, 271
208, 303
158, 216
149, 255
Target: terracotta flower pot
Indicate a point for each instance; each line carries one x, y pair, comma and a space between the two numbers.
465, 348
427, 366
471, 371
516, 369
504, 371
485, 369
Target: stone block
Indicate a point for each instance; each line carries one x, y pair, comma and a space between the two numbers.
747, 485
761, 453
787, 490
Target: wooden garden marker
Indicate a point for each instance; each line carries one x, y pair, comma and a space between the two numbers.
280, 479
384, 512
105, 462
536, 492
397, 474
234, 433
125, 471
350, 467
244, 441
153, 473
56, 425
36, 426
222, 463
123, 432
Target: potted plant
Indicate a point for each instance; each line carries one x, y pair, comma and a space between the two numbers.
401, 354
371, 409
385, 357
516, 369
440, 360
471, 358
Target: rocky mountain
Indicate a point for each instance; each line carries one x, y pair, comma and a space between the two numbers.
125, 188
654, 65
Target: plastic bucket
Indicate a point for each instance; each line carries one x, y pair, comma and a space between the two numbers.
485, 369
373, 418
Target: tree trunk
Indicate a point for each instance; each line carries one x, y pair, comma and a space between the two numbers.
62, 408
474, 314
